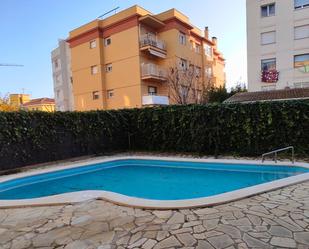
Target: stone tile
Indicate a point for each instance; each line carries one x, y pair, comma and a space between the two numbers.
168, 242
280, 231
302, 237
177, 218
283, 242
221, 241
186, 239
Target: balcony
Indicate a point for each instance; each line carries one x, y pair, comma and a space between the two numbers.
155, 100
152, 46
152, 72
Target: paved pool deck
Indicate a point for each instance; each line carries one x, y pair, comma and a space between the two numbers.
277, 219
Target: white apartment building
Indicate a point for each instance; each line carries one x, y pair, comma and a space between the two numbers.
62, 76
278, 44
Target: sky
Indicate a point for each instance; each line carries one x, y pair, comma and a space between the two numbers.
29, 31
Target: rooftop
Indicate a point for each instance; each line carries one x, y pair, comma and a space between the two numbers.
40, 101
286, 94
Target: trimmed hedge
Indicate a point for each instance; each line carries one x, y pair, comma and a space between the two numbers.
35, 137
240, 129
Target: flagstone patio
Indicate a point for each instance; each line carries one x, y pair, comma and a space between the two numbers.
279, 219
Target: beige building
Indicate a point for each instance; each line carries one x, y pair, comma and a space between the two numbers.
123, 61
278, 44
61, 67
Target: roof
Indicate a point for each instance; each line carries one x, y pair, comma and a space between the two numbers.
40, 101
286, 94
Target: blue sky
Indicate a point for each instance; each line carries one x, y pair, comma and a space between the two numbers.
29, 30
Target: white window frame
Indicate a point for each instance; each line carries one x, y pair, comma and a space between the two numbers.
95, 95
94, 69
182, 38
107, 41
183, 64
92, 44
208, 50
109, 67
152, 90
268, 10
197, 48
110, 94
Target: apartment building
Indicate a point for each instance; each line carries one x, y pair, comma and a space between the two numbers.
278, 44
18, 99
123, 61
61, 67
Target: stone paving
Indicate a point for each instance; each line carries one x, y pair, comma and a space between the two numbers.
279, 219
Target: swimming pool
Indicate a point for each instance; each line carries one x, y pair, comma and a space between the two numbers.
156, 180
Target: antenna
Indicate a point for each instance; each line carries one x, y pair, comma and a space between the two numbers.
10, 65
108, 12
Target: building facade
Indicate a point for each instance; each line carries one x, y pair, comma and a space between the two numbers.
41, 104
61, 67
18, 99
123, 61
278, 44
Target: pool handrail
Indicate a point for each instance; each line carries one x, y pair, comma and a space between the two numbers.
275, 152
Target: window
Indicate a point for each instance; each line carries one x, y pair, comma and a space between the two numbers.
301, 32
95, 95
268, 64
208, 72
301, 60
93, 44
152, 90
94, 69
183, 64
268, 10
197, 48
182, 38
208, 50
107, 41
299, 4
109, 67
268, 38
110, 94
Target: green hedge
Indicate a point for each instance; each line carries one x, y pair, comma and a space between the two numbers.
35, 137
239, 129
225, 129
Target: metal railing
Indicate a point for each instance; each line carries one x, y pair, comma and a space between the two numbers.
275, 153
146, 40
153, 70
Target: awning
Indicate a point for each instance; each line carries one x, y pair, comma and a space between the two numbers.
157, 53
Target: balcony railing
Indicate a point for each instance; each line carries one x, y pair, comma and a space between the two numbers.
155, 100
153, 72
270, 76
147, 40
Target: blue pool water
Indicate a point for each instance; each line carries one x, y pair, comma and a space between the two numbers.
150, 179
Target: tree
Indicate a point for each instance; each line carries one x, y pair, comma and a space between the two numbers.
185, 85
5, 105
220, 94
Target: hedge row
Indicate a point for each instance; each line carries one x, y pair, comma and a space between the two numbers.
241, 129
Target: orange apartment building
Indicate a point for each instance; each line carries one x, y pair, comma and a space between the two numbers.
122, 61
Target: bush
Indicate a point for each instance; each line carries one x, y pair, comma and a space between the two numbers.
34, 137
216, 129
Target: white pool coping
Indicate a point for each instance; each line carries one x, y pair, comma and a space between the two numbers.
76, 197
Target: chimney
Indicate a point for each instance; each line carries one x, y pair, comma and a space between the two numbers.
206, 33
215, 41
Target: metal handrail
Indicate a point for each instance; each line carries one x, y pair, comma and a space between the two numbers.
275, 152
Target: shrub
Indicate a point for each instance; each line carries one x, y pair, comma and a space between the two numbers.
216, 129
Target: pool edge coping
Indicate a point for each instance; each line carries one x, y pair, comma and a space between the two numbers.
119, 199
